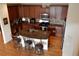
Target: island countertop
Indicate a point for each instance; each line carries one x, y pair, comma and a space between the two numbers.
38, 34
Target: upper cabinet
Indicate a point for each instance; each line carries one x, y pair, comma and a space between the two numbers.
20, 11
31, 11
23, 11
13, 12
34, 11
37, 11
58, 12
64, 12
26, 11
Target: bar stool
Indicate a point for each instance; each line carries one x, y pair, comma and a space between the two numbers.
18, 43
39, 48
28, 45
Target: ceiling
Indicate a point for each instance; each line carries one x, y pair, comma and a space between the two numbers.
39, 4
45, 3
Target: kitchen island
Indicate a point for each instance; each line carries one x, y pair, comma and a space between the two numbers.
32, 33
36, 36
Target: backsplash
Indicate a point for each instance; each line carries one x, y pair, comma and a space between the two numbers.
57, 21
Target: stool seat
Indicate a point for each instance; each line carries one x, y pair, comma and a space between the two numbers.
29, 42
17, 43
18, 40
39, 47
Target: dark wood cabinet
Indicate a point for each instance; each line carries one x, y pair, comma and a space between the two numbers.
64, 12
26, 11
21, 14
13, 12
33, 11
37, 11
59, 12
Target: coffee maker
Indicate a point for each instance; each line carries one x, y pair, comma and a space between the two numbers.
44, 21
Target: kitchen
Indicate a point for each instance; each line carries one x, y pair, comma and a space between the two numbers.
56, 15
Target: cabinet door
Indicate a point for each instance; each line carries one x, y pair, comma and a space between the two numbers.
13, 12
21, 11
64, 12
26, 11
37, 11
31, 11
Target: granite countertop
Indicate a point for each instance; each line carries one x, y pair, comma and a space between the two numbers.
57, 21
38, 34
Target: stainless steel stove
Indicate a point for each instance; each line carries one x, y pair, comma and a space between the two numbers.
44, 21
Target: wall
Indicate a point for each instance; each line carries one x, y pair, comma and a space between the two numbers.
6, 31
71, 39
